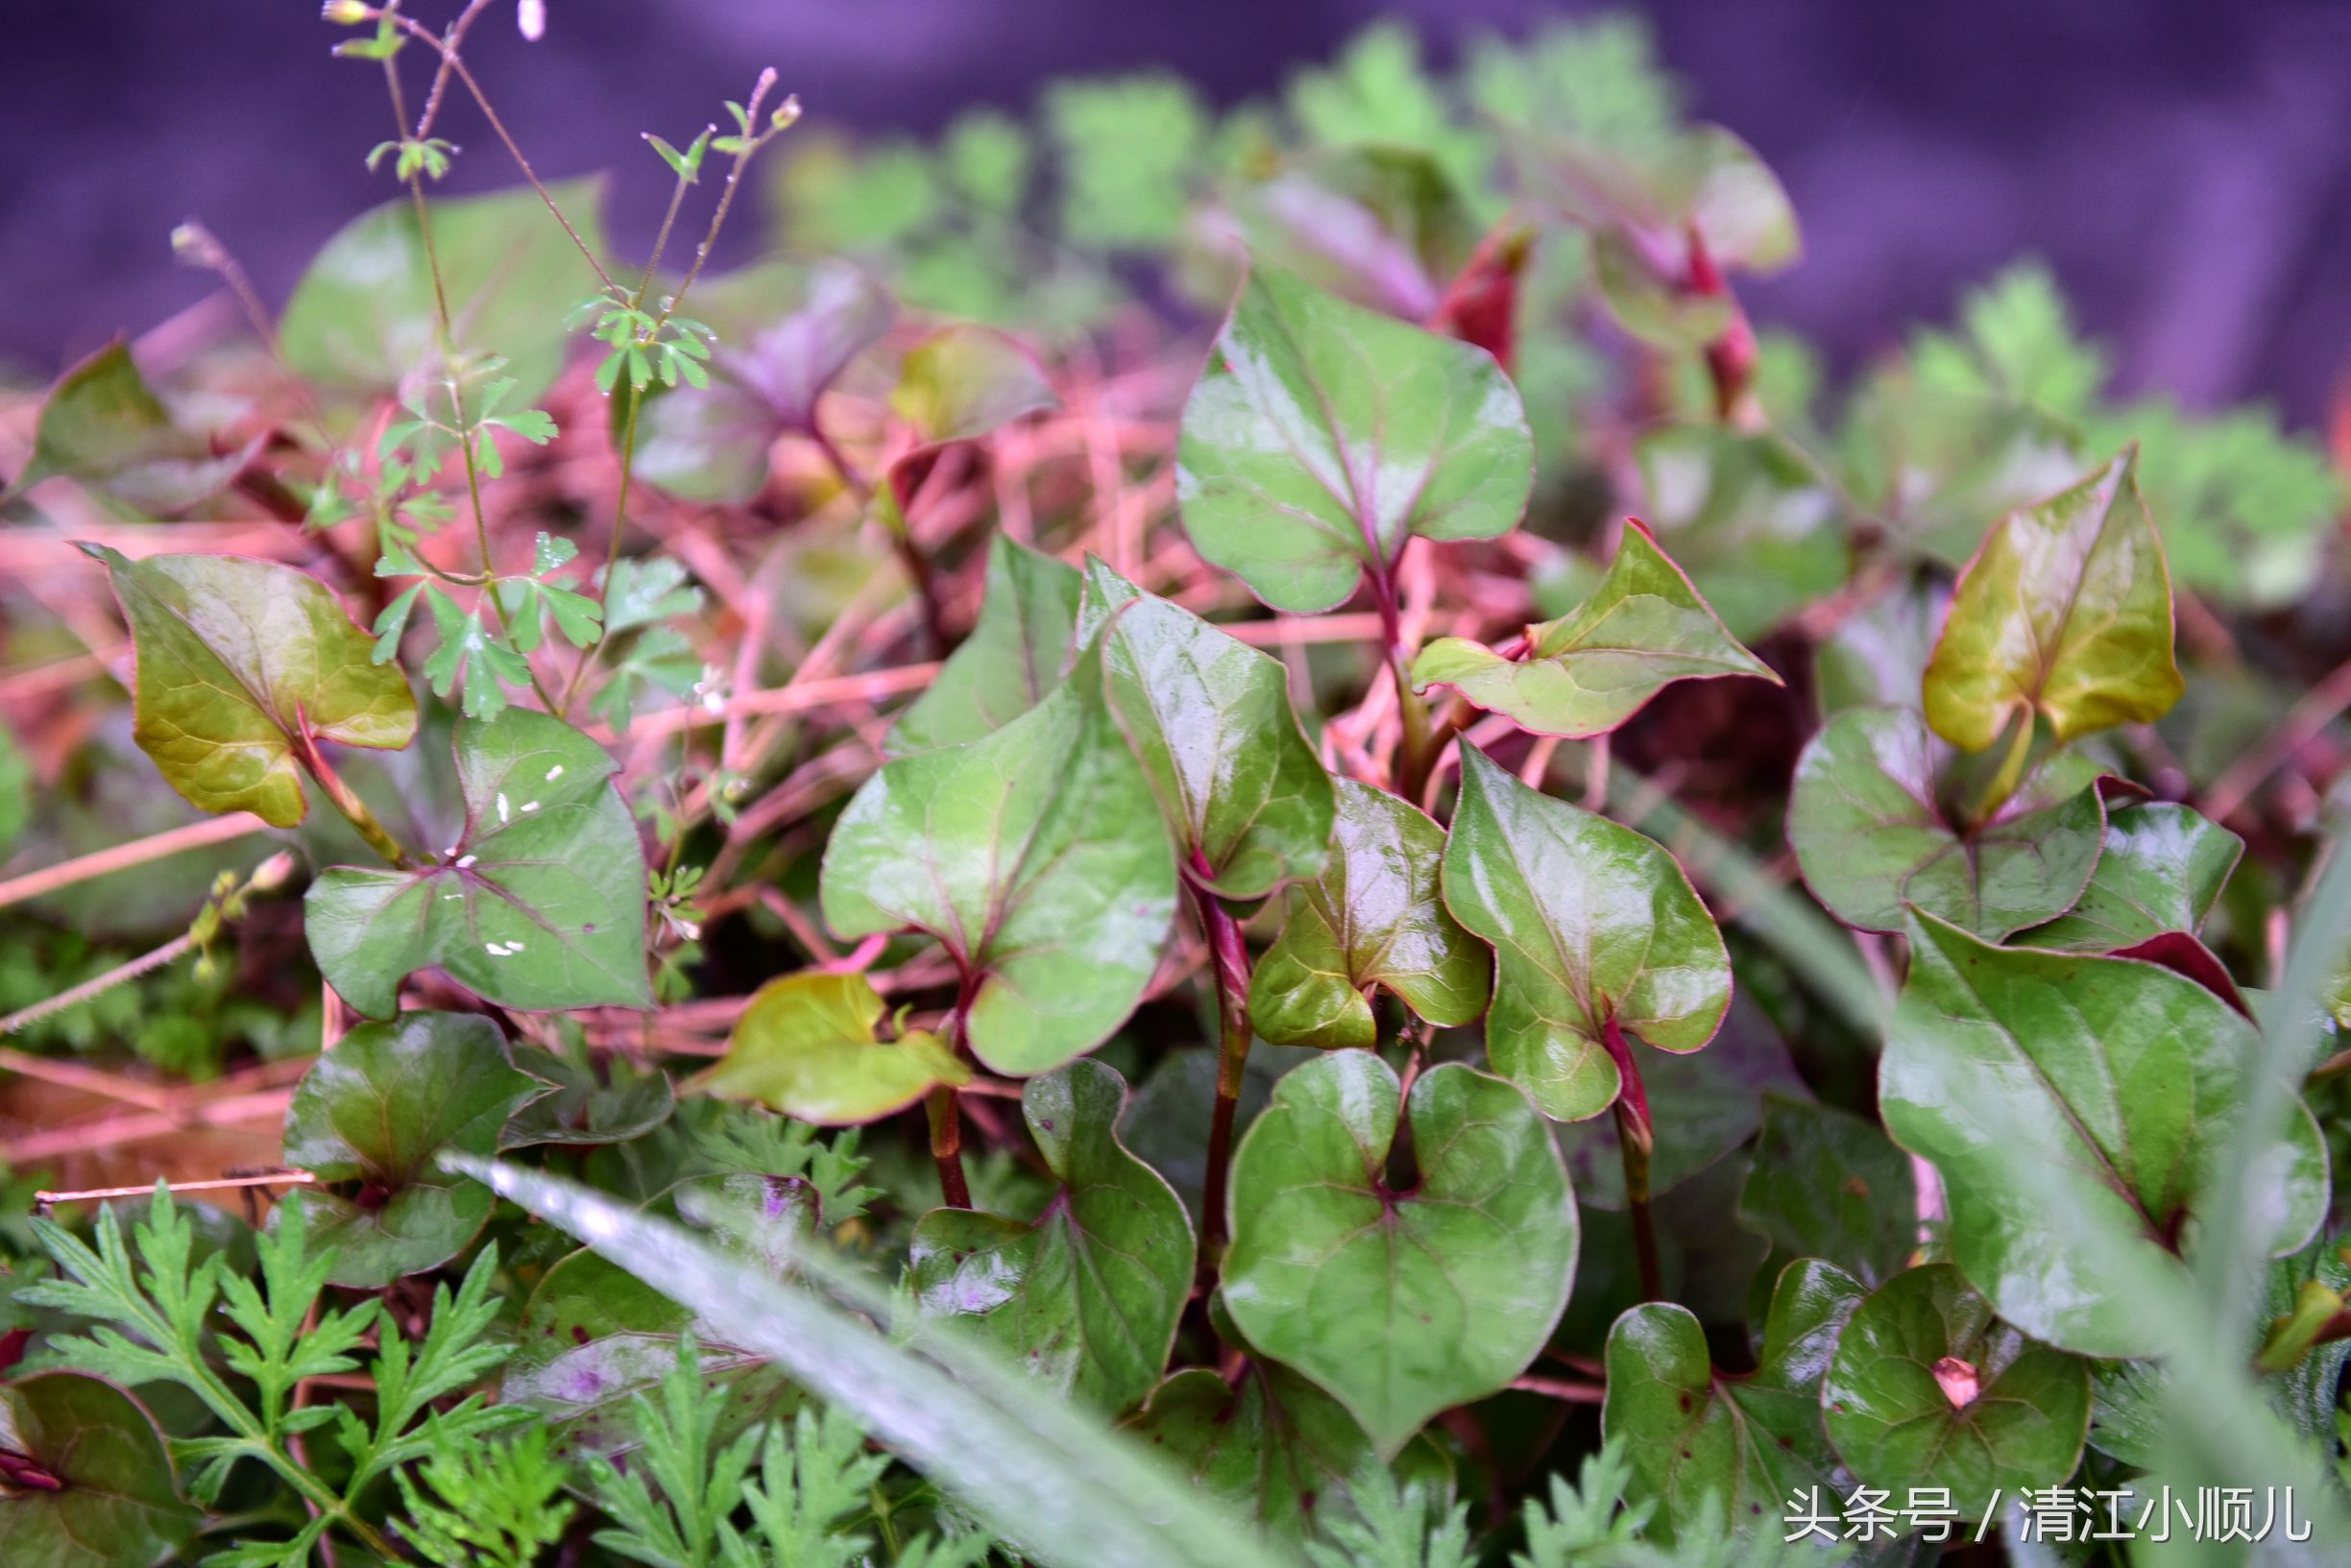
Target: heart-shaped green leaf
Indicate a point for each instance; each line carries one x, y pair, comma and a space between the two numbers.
1584, 674
1013, 659
1399, 1304
88, 1483
377, 1110
1594, 927
1701, 1107
2058, 1094
1210, 718
1866, 818
539, 903
1929, 1389
806, 1047
103, 423
1749, 518
241, 666
364, 315
2065, 614
1087, 1296
1037, 857
1717, 1449
2161, 870
610, 1104
1322, 435
1373, 919
1827, 1184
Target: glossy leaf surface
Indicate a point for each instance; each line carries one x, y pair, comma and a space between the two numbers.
1374, 920
1036, 856
1716, 1449
363, 315
2058, 1093
1322, 435
2162, 869
89, 1483
378, 1110
609, 1103
1584, 674
238, 662
1929, 1389
103, 423
2064, 612
1827, 1184
1872, 836
539, 903
1590, 922
1400, 1304
1210, 718
1087, 1296
806, 1047
1013, 657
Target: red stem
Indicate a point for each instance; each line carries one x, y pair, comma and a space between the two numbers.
1229, 956
1635, 1141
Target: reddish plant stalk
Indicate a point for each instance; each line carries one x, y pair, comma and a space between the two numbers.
1730, 358
1636, 1140
1229, 957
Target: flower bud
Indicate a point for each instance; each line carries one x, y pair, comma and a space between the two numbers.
347, 13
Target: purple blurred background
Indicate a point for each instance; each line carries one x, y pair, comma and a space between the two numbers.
2183, 164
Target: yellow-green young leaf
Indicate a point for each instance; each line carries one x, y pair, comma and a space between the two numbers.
1374, 919
1584, 674
1036, 855
2065, 614
1087, 1296
364, 313
1722, 1452
541, 902
89, 1481
240, 663
1872, 837
1929, 1389
1592, 923
806, 1047
1322, 435
1013, 657
1209, 716
1399, 1304
104, 424
960, 382
2058, 1093
378, 1110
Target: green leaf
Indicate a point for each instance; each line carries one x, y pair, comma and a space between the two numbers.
363, 314
104, 424
1872, 838
2162, 869
2053, 1092
1322, 435
378, 1110
1827, 1184
1584, 674
1374, 920
2065, 614
612, 1105
88, 1480
688, 164
1168, 1116
1594, 926
1209, 716
1398, 1303
539, 903
1719, 1450
1749, 518
1702, 1106
1036, 856
1086, 1298
1268, 1445
806, 1047
242, 664
1013, 659
1928, 1388
961, 382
